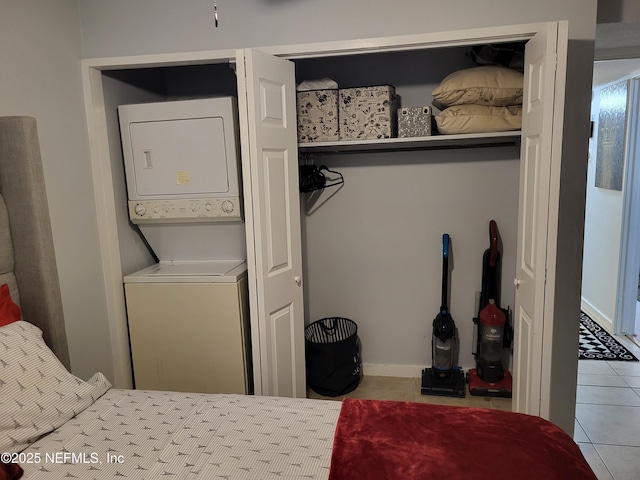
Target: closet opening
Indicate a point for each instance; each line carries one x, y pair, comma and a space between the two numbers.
372, 245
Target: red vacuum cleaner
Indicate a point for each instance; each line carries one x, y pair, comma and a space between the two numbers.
493, 329
444, 377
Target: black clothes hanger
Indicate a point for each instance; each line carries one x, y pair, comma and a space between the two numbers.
313, 178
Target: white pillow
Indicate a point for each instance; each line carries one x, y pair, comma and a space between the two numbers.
37, 393
488, 85
479, 119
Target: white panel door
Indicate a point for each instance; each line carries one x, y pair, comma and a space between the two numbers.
533, 219
274, 243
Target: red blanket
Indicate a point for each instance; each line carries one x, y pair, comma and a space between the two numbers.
400, 440
10, 471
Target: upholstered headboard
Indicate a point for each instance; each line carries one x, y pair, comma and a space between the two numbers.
27, 260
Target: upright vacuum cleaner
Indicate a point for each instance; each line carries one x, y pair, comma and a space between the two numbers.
493, 330
443, 378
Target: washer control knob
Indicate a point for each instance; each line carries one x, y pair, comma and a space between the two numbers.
139, 209
227, 206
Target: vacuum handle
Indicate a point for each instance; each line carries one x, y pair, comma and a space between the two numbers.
445, 245
493, 240
445, 272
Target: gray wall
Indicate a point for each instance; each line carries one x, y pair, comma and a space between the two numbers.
118, 27
617, 11
123, 27
40, 77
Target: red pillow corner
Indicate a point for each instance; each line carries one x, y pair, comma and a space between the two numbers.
9, 310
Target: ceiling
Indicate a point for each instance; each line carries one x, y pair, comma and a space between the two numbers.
608, 71
617, 52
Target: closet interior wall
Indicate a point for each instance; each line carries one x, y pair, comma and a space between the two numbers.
373, 246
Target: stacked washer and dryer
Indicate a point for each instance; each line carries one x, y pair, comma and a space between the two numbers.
188, 314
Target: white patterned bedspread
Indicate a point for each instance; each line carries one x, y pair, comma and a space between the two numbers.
152, 435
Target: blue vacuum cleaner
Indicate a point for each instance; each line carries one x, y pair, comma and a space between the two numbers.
443, 378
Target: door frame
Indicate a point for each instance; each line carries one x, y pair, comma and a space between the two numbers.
627, 291
100, 155
103, 186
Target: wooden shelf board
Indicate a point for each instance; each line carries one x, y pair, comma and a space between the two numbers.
414, 143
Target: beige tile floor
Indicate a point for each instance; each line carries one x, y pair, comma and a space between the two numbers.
607, 425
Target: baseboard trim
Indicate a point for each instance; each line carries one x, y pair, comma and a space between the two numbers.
387, 370
596, 315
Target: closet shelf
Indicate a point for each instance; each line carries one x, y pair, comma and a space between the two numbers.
415, 143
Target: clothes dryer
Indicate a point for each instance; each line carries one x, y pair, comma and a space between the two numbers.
187, 314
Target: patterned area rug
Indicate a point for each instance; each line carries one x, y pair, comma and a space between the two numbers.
597, 344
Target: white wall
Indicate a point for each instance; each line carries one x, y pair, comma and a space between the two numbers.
601, 290
602, 236
40, 77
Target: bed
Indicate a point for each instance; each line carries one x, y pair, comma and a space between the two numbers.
54, 425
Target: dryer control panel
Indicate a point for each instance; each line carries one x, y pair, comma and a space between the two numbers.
180, 210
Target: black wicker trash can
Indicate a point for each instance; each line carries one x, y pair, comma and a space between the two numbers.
333, 356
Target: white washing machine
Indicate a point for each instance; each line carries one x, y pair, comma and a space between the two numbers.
189, 327
188, 314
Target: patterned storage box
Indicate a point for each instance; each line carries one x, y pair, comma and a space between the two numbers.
414, 121
317, 116
367, 113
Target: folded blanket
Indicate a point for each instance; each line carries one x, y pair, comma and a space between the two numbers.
377, 439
